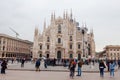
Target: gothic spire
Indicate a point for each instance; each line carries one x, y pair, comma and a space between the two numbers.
44, 24
91, 32
51, 16
71, 14
64, 15
54, 15
36, 31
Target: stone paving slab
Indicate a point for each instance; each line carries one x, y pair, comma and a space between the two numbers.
42, 75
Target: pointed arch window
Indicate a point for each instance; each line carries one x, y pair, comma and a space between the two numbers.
59, 40
59, 28
48, 39
40, 55
40, 47
70, 38
70, 46
70, 55
48, 46
78, 46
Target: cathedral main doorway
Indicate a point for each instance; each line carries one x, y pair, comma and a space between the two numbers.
71, 56
47, 55
79, 56
40, 55
59, 55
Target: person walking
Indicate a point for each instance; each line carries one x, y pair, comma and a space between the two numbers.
72, 66
101, 68
45, 63
118, 64
37, 65
112, 68
12, 60
3, 67
54, 62
22, 62
80, 63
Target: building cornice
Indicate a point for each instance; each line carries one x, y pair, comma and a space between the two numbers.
14, 38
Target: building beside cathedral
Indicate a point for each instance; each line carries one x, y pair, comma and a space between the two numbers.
112, 52
12, 47
63, 39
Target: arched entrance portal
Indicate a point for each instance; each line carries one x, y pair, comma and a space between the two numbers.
59, 55
79, 56
71, 56
40, 55
47, 55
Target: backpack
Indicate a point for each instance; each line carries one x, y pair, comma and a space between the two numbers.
37, 63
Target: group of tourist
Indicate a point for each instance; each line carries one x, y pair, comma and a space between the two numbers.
3, 63
109, 64
72, 66
38, 63
102, 65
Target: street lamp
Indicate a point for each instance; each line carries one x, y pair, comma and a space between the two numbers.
83, 32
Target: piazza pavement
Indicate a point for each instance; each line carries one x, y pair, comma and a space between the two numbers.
15, 72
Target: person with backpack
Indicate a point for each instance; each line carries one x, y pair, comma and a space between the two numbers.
80, 63
118, 64
112, 68
37, 65
22, 62
101, 68
45, 63
3, 67
72, 66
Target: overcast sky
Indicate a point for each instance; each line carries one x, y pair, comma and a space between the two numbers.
101, 15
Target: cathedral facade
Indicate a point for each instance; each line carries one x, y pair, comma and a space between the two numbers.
63, 39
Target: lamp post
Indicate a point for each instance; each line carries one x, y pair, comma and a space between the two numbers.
83, 32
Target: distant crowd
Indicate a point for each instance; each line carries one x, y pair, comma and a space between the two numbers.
71, 64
